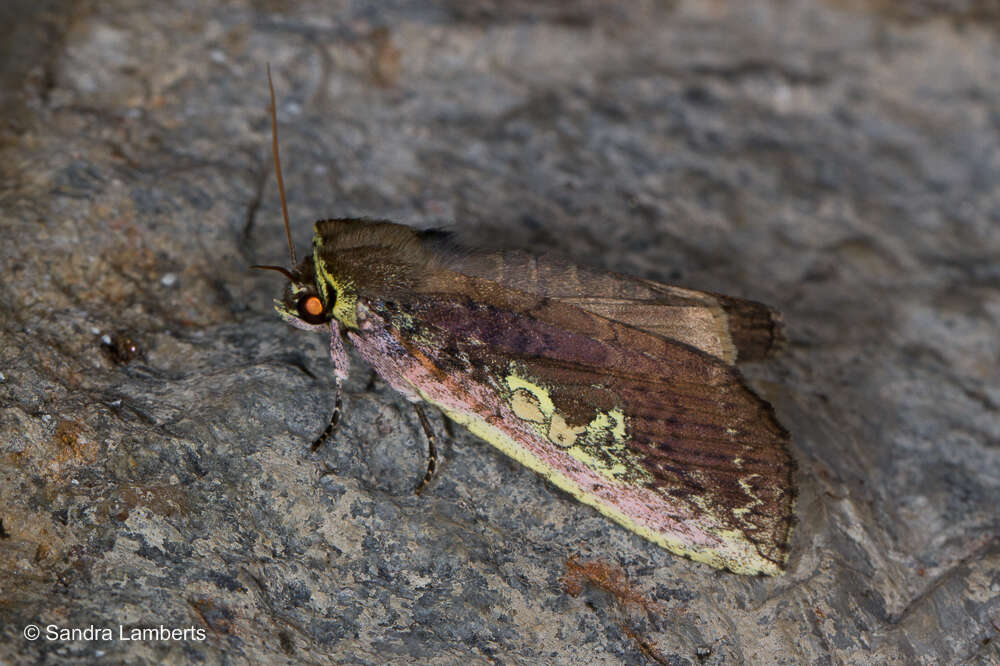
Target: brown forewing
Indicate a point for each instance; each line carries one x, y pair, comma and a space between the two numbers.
699, 434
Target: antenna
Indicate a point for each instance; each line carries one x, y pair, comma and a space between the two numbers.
277, 167
281, 269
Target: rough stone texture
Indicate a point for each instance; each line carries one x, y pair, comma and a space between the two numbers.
839, 160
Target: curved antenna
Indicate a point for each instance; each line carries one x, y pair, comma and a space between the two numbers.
281, 269
277, 166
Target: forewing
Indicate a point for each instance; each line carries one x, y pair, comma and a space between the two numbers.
681, 450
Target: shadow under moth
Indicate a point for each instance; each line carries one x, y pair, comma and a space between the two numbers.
619, 390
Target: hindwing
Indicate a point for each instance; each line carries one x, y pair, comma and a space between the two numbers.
732, 329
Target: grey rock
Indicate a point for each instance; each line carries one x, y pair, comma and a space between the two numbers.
838, 160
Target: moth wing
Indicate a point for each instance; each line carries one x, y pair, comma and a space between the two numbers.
729, 328
676, 446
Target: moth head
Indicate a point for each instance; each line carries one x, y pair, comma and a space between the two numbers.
304, 304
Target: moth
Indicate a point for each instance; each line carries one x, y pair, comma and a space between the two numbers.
619, 390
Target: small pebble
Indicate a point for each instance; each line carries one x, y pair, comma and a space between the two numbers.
169, 280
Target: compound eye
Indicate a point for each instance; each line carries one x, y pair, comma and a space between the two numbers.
311, 309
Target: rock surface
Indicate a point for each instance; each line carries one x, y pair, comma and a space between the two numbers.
838, 160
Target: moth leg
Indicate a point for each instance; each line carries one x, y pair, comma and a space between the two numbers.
370, 386
338, 354
334, 418
341, 365
431, 448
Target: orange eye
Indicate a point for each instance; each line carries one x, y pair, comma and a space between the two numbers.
313, 306
311, 309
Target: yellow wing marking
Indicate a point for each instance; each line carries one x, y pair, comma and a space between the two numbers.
600, 444
526, 406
